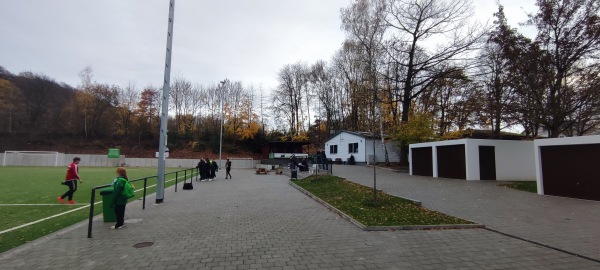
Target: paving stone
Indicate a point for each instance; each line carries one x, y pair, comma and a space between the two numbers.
261, 222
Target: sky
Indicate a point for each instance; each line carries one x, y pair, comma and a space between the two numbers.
124, 41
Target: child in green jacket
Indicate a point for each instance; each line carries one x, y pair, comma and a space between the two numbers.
119, 200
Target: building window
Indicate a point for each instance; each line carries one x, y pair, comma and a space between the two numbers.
333, 149
353, 148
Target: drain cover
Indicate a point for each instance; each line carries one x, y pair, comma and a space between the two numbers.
143, 244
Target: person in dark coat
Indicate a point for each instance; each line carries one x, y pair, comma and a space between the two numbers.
200, 171
304, 166
206, 169
293, 163
228, 169
319, 160
213, 169
325, 161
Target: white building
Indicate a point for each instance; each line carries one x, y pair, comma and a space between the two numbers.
360, 145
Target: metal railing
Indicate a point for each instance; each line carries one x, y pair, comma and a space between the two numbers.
192, 172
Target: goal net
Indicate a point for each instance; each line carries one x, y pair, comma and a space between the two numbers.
32, 158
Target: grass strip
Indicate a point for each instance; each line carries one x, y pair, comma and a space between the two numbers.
356, 201
529, 186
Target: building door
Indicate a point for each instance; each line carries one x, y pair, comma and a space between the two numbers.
487, 162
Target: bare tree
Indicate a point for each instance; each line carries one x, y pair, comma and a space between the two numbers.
127, 103
569, 33
365, 22
11, 104
148, 109
416, 25
321, 81
495, 76
287, 98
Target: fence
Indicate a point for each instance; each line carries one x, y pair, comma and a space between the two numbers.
104, 161
186, 172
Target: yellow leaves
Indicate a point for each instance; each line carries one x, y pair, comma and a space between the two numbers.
250, 131
302, 137
241, 121
417, 129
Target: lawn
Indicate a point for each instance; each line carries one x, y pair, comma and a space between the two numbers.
41, 186
356, 201
529, 186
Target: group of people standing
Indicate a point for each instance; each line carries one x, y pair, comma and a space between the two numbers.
320, 159
208, 168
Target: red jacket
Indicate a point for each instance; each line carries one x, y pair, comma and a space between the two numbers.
72, 172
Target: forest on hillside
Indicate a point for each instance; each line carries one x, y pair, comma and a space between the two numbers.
413, 71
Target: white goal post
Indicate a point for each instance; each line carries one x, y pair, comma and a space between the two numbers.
31, 158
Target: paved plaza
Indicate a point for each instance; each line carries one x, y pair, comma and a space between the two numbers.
261, 222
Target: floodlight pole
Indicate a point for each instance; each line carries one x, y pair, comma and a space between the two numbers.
160, 180
221, 135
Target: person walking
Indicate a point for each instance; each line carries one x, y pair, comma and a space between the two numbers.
228, 169
71, 181
119, 200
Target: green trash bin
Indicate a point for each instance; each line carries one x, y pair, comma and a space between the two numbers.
107, 211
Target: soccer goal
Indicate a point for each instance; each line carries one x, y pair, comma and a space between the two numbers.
32, 158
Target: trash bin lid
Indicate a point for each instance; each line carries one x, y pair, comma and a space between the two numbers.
106, 191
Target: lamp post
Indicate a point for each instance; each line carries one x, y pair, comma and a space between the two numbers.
223, 82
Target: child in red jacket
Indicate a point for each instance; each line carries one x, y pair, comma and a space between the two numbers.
71, 181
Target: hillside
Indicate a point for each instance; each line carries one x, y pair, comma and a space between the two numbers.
73, 146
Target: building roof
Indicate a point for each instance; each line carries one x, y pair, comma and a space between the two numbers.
364, 134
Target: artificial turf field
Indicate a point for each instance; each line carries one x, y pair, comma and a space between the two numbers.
30, 194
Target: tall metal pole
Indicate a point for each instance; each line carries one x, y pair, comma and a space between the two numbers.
221, 136
375, 111
160, 181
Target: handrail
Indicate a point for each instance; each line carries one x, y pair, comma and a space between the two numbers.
145, 179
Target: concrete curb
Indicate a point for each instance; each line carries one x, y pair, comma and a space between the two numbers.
386, 228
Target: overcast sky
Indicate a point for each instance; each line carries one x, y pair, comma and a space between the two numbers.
124, 40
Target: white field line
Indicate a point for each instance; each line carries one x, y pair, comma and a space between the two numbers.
46, 218
63, 213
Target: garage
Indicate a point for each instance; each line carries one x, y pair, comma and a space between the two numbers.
474, 159
568, 167
451, 161
422, 160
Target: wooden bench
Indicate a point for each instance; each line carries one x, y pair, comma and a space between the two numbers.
262, 170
